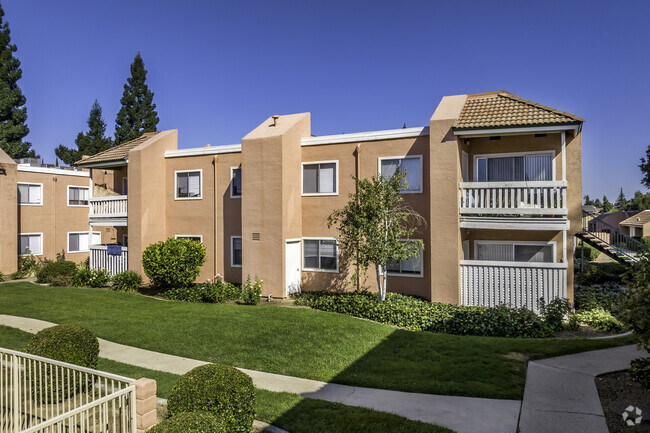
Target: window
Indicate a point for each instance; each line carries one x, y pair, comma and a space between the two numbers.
540, 252
515, 168
235, 182
77, 196
235, 251
188, 185
321, 255
30, 243
412, 165
197, 238
320, 178
30, 194
125, 186
411, 267
79, 241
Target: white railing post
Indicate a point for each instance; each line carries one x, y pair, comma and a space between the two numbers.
16, 393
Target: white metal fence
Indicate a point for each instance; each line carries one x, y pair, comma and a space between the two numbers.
508, 198
40, 395
100, 259
517, 284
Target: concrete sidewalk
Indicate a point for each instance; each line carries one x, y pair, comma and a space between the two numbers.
561, 395
462, 414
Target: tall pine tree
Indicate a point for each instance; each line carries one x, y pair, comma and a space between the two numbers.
138, 112
13, 113
88, 143
621, 201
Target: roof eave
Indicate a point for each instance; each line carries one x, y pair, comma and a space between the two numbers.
103, 164
517, 129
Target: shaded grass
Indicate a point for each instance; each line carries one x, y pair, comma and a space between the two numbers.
298, 342
288, 411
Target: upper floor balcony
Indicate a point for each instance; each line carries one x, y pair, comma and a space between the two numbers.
537, 198
108, 211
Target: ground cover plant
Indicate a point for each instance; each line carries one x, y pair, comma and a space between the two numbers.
127, 281
288, 411
212, 291
91, 278
418, 314
298, 341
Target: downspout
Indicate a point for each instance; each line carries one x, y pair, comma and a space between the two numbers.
215, 227
358, 173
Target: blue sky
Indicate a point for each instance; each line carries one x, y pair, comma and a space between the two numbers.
219, 68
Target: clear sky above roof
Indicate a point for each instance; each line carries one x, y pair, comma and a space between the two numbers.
219, 68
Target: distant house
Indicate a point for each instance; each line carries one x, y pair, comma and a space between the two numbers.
637, 226
590, 209
606, 219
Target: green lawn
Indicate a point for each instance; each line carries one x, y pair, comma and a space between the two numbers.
288, 411
297, 341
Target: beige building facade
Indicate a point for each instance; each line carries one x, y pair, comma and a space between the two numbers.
497, 179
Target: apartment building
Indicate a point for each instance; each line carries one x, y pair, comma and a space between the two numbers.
44, 212
497, 178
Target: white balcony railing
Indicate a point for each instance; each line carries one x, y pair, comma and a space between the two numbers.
517, 284
41, 395
114, 264
513, 198
107, 209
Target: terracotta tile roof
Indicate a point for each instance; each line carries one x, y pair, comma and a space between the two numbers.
638, 219
116, 153
503, 109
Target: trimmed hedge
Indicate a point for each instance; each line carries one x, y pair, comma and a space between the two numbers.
591, 253
58, 273
418, 314
68, 343
223, 391
127, 281
191, 422
174, 263
91, 278
215, 292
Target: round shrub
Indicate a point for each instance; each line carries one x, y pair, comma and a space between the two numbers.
191, 422
173, 263
221, 390
590, 253
127, 281
60, 268
68, 343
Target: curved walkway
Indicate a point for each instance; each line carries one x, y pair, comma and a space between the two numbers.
560, 393
462, 414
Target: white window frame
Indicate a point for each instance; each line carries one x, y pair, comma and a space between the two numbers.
232, 251
553, 245
68, 196
409, 191
32, 184
40, 235
232, 177
501, 155
329, 271
336, 178
186, 237
421, 274
81, 232
195, 170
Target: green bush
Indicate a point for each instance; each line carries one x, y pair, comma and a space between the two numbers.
174, 263
62, 268
221, 390
634, 308
599, 319
127, 281
646, 241
191, 422
604, 297
600, 273
251, 291
554, 312
640, 371
28, 266
68, 343
2, 277
418, 314
590, 253
216, 291
91, 278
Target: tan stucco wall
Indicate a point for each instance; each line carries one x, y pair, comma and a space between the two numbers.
271, 197
147, 194
8, 215
55, 219
445, 237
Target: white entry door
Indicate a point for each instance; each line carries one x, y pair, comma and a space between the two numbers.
292, 266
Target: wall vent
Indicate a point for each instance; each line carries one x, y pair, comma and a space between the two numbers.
256, 236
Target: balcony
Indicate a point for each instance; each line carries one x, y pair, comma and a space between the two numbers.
108, 211
518, 284
515, 205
